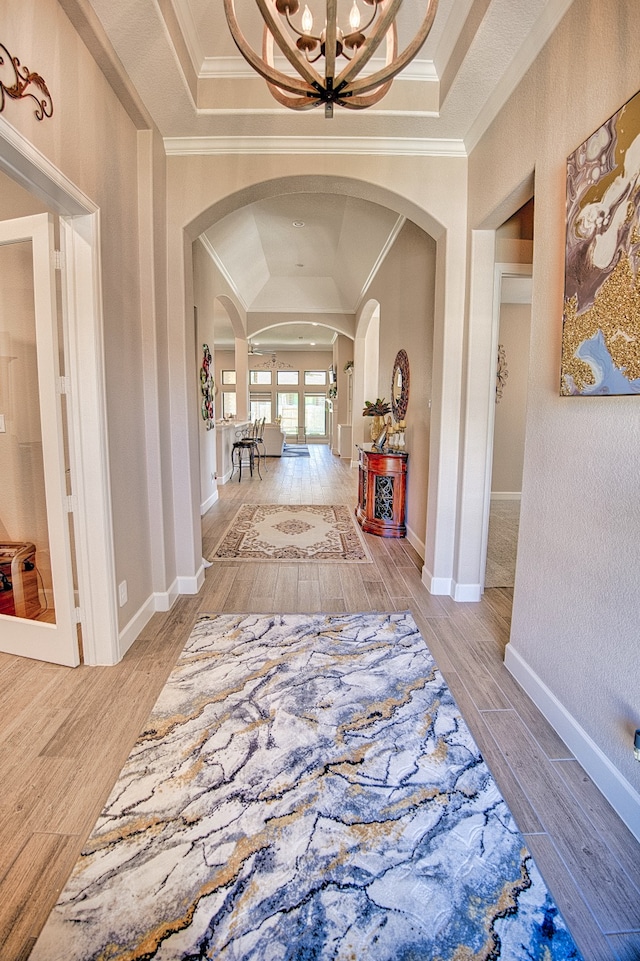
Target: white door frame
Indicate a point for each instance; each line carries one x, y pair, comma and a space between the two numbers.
85, 385
472, 530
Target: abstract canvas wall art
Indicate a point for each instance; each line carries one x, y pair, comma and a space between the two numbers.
601, 318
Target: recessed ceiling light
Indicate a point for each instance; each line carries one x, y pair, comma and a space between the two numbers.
298, 223
312, 343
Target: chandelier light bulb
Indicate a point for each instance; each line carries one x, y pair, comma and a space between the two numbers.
307, 21
354, 16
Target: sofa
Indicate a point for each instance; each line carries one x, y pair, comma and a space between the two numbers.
273, 440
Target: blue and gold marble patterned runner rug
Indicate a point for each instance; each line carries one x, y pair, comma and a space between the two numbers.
305, 788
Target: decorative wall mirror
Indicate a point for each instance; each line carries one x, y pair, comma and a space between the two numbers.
400, 386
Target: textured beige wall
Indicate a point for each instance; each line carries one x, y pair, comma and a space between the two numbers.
405, 290
575, 616
93, 142
508, 435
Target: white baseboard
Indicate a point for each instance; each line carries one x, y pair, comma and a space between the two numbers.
622, 796
506, 495
466, 592
436, 585
164, 600
447, 586
210, 501
158, 601
415, 542
223, 478
135, 626
191, 585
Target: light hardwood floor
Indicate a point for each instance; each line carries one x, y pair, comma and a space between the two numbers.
65, 734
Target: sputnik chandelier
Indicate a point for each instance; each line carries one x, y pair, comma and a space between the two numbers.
315, 55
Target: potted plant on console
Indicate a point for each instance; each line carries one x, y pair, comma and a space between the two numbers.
377, 411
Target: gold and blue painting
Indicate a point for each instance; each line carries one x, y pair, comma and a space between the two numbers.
601, 323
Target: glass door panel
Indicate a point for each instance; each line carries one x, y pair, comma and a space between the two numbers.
288, 412
25, 566
315, 415
36, 582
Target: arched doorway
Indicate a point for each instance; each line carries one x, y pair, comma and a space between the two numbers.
445, 397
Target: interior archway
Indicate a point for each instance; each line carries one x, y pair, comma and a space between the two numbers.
444, 400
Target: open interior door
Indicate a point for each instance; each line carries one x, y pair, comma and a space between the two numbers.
37, 606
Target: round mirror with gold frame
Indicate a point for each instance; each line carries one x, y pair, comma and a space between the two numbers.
400, 386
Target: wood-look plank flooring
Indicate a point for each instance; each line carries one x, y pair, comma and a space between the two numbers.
65, 734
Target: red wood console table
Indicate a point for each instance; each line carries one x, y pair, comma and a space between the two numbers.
382, 479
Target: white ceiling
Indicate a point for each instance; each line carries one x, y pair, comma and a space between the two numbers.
204, 97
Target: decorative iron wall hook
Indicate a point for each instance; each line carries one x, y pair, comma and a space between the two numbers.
22, 79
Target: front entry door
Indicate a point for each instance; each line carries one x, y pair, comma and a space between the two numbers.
37, 606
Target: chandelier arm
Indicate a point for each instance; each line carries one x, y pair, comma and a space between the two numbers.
267, 72
390, 56
302, 90
360, 103
293, 103
331, 36
389, 71
372, 42
287, 46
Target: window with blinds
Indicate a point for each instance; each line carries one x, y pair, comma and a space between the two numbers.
260, 406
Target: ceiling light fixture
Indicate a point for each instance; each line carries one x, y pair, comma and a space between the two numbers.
303, 48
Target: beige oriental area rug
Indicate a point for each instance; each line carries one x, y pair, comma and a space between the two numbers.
301, 532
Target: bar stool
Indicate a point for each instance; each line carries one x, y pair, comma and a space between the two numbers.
246, 442
260, 444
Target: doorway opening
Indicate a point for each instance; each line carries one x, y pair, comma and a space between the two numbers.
75, 473
513, 281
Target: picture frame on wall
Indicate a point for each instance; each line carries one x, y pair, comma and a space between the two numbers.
601, 315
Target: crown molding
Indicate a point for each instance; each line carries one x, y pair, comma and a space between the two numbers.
237, 68
355, 146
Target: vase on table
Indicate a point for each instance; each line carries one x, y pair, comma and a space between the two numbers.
377, 425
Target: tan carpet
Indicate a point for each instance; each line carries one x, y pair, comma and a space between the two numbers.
301, 532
